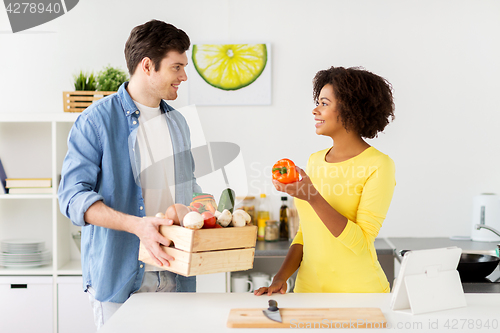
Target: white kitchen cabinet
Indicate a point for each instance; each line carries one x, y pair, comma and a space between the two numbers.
26, 304
74, 310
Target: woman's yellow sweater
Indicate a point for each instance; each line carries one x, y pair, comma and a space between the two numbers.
360, 189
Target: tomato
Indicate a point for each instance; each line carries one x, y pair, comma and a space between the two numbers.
209, 220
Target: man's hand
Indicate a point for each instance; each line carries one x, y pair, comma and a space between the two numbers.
147, 229
150, 236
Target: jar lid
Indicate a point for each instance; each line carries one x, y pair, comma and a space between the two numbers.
272, 222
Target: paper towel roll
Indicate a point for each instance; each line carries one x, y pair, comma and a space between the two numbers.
486, 210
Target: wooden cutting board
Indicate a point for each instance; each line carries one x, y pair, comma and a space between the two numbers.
309, 318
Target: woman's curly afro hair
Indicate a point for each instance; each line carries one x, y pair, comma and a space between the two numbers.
364, 100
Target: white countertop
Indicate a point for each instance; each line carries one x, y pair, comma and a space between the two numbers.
201, 312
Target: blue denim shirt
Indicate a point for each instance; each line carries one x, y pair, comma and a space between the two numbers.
100, 165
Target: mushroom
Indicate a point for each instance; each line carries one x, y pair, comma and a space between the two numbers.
224, 218
193, 220
248, 218
241, 218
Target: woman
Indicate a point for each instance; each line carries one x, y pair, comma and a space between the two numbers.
345, 193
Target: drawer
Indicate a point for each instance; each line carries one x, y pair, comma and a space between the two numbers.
74, 310
26, 304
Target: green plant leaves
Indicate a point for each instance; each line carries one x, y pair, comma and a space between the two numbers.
85, 81
110, 79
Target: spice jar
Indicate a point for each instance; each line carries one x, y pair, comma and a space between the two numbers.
272, 233
248, 205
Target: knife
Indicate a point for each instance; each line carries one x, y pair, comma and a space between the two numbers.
273, 312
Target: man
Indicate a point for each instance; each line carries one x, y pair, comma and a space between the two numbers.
120, 171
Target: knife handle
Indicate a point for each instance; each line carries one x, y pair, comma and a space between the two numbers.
273, 305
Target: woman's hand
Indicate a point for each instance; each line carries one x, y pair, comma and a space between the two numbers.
302, 189
278, 285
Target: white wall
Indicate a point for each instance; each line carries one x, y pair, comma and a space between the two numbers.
442, 58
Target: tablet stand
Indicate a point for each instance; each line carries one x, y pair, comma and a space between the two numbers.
428, 281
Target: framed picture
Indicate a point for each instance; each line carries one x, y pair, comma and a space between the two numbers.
230, 74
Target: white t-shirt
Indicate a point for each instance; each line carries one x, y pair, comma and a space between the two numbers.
157, 160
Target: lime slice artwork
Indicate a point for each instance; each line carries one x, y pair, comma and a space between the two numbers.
229, 66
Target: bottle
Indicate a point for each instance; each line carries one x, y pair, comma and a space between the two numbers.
263, 215
284, 226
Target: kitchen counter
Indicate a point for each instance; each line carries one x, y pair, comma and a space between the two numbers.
192, 312
265, 252
408, 243
280, 248
421, 243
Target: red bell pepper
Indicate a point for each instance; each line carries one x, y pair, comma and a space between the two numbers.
284, 171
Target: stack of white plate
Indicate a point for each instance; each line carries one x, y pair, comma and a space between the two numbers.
23, 253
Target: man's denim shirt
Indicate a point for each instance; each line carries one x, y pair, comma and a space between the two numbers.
101, 165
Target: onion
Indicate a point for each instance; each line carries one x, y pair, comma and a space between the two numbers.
177, 212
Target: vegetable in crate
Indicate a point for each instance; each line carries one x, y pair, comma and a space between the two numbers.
203, 202
209, 220
284, 171
226, 200
241, 218
193, 220
177, 212
224, 218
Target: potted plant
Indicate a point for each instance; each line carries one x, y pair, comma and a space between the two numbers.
110, 79
86, 82
90, 88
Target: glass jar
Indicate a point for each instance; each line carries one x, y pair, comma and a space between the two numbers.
248, 205
272, 233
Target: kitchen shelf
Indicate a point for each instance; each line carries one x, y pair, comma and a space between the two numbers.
19, 117
27, 196
33, 145
43, 270
72, 267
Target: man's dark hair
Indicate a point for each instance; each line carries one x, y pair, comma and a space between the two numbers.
364, 100
154, 40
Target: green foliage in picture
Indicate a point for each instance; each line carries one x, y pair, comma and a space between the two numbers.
85, 81
110, 79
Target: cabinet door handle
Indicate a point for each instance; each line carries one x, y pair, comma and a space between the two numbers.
18, 286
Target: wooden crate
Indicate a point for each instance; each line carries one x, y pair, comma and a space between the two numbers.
77, 101
207, 251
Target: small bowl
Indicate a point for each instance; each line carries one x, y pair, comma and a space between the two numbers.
77, 237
